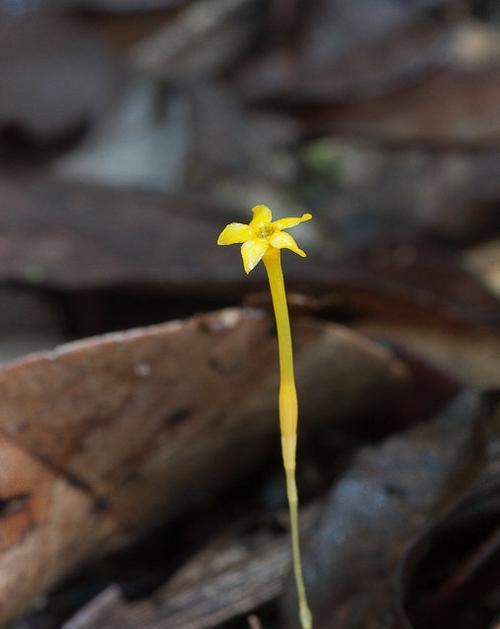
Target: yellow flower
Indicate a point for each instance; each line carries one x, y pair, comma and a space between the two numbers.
260, 234
262, 239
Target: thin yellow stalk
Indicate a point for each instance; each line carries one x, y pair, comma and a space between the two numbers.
288, 417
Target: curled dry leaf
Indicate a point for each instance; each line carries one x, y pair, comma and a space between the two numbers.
376, 510
105, 437
449, 575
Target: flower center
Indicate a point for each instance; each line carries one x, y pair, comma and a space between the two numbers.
265, 231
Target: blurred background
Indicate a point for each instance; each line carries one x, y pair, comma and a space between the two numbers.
132, 131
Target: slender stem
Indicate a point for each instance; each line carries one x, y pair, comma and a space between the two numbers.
293, 506
288, 417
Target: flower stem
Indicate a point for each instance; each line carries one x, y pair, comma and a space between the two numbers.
288, 417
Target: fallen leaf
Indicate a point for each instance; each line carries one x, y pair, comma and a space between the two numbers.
102, 438
449, 574
71, 235
458, 70
408, 278
402, 280
467, 117
75, 235
377, 508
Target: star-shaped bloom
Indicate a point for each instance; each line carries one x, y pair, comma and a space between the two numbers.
261, 234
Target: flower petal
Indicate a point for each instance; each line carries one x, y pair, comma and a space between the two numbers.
234, 233
282, 240
286, 223
252, 252
262, 216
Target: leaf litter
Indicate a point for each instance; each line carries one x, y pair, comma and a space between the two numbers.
111, 507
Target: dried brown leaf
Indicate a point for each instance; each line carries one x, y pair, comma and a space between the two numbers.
449, 575
105, 437
376, 510
75, 235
